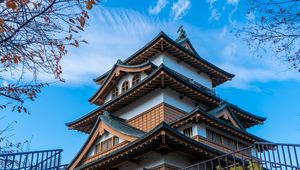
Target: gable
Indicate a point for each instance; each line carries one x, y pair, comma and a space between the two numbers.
226, 116
118, 71
105, 128
117, 85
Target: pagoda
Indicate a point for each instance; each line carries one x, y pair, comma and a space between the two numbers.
157, 110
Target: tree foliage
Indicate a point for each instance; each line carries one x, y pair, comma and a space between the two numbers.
250, 166
274, 26
34, 35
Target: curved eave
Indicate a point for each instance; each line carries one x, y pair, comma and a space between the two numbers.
238, 113
259, 118
162, 36
162, 129
214, 100
197, 94
121, 126
119, 66
201, 112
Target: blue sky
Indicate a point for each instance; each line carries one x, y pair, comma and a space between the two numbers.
117, 29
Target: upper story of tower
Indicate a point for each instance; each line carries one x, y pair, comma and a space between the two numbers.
163, 81
178, 55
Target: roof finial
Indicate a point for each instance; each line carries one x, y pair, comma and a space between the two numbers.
181, 34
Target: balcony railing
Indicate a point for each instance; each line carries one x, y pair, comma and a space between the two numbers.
263, 156
38, 160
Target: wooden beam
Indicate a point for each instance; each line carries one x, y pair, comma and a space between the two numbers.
162, 46
162, 80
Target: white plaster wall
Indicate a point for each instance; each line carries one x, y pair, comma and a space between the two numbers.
154, 98
194, 128
198, 129
157, 59
183, 68
201, 130
145, 103
172, 97
153, 159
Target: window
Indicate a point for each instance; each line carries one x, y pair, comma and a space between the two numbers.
136, 78
98, 148
125, 86
107, 144
115, 92
116, 140
188, 132
213, 136
220, 139
229, 143
242, 146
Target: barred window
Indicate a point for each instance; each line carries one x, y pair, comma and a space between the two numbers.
135, 79
116, 140
115, 92
188, 132
229, 143
125, 86
98, 148
107, 144
213, 136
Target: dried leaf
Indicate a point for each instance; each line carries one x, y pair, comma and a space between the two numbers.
89, 5
11, 4
81, 21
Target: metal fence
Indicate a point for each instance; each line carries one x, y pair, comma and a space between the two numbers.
259, 156
37, 160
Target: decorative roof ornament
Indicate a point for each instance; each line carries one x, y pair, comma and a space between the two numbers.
181, 34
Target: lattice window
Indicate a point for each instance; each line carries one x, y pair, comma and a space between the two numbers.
229, 143
188, 132
107, 144
135, 79
220, 139
213, 136
98, 148
125, 86
116, 140
115, 92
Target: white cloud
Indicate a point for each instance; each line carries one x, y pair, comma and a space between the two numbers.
117, 34
232, 2
180, 8
112, 34
211, 3
232, 54
161, 4
215, 15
